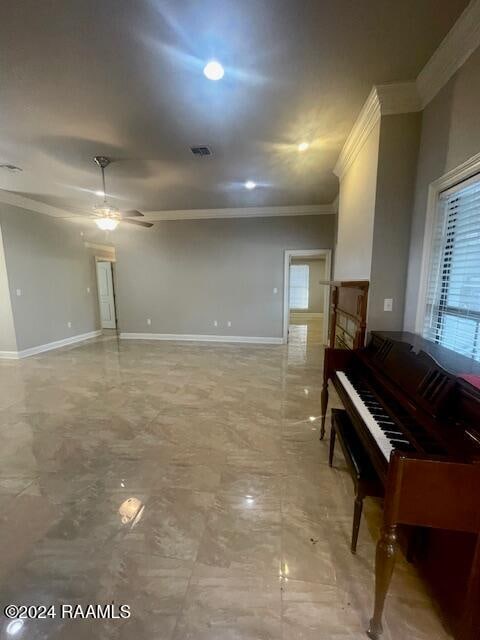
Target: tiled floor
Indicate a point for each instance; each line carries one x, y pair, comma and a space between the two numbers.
188, 482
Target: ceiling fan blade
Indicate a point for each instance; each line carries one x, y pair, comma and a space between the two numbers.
138, 222
133, 213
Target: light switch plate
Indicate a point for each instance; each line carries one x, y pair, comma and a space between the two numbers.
388, 304
19, 292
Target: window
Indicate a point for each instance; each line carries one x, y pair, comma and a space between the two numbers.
299, 277
452, 316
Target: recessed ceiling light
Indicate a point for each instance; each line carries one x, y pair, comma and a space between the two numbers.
213, 70
303, 146
100, 193
249, 184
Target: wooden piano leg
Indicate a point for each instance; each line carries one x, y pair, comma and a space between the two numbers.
324, 400
384, 564
357, 517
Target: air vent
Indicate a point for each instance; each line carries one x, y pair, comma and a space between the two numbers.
201, 152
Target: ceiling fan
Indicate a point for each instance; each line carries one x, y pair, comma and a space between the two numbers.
106, 216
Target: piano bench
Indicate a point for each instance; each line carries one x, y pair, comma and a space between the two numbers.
364, 476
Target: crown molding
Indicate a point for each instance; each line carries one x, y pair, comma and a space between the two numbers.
29, 204
240, 212
383, 100
457, 46
398, 97
365, 122
7, 197
407, 97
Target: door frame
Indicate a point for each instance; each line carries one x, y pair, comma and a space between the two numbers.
112, 262
306, 253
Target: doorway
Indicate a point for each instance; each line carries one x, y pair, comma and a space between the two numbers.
306, 298
106, 294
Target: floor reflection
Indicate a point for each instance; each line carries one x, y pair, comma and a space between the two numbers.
187, 481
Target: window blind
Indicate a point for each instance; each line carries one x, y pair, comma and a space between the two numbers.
299, 278
452, 316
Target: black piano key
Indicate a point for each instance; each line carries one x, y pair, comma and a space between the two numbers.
403, 445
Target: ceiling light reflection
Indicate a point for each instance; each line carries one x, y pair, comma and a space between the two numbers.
14, 626
284, 571
250, 184
303, 146
131, 511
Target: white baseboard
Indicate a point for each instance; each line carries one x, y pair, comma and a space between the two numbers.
41, 348
311, 315
8, 355
200, 338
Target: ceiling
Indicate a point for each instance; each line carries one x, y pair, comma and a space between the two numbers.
123, 78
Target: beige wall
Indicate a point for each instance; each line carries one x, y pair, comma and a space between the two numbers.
374, 218
316, 291
353, 252
397, 161
450, 136
186, 274
8, 340
47, 260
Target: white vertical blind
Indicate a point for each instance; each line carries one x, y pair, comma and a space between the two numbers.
299, 278
452, 316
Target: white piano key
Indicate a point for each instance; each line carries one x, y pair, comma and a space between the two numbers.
379, 436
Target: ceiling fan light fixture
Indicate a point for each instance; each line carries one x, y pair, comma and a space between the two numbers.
108, 217
107, 223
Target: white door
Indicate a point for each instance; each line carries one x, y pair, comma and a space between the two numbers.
105, 295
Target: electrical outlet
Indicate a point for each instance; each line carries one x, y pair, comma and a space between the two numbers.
388, 304
69, 324
149, 321
215, 323
19, 292
229, 324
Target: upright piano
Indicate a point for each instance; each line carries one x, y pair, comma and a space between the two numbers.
416, 409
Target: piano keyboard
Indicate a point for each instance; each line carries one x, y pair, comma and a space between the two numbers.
385, 432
